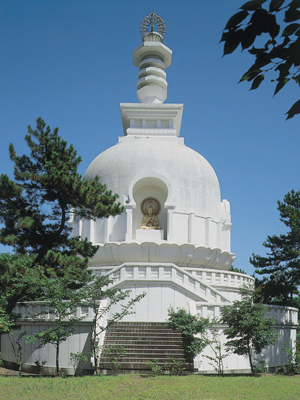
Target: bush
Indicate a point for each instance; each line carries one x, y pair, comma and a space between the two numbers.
173, 367
39, 365
217, 348
189, 326
78, 360
156, 369
293, 356
113, 354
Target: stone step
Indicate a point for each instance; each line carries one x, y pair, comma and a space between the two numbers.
147, 345
147, 350
149, 332
150, 336
149, 356
137, 325
134, 323
143, 336
121, 342
123, 365
144, 328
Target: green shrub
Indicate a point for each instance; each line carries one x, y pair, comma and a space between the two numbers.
189, 326
78, 360
217, 348
259, 365
39, 365
293, 358
113, 354
156, 369
174, 367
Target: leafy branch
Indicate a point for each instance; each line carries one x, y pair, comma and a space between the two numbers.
280, 53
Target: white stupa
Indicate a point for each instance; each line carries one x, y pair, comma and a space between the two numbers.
181, 251
173, 240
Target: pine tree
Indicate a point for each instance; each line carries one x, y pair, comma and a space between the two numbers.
18, 282
282, 263
35, 210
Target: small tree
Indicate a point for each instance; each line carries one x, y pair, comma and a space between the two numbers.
98, 289
113, 356
249, 331
61, 302
78, 360
189, 326
216, 346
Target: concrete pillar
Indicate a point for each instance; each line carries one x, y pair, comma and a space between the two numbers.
80, 227
92, 231
107, 229
128, 235
170, 236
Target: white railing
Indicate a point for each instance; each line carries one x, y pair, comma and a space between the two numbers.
221, 278
38, 310
282, 315
207, 276
143, 272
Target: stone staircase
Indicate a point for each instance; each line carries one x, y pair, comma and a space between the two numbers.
143, 342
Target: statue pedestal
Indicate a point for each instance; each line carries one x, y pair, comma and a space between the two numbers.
149, 235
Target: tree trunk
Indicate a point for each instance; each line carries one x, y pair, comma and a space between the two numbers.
94, 349
57, 358
95, 359
250, 360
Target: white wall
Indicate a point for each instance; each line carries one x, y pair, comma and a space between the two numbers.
79, 341
152, 308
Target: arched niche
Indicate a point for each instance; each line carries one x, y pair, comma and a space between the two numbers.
149, 185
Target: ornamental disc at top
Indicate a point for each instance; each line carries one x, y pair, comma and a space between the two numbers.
153, 19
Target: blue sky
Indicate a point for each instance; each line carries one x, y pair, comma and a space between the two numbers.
70, 62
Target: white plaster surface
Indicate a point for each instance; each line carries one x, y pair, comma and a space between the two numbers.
143, 235
194, 183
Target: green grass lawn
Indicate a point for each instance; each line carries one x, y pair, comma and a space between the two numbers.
265, 387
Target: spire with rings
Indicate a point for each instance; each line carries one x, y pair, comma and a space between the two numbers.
152, 57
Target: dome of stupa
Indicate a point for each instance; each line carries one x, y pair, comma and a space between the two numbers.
194, 184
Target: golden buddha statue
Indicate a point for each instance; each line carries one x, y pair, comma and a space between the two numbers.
150, 207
